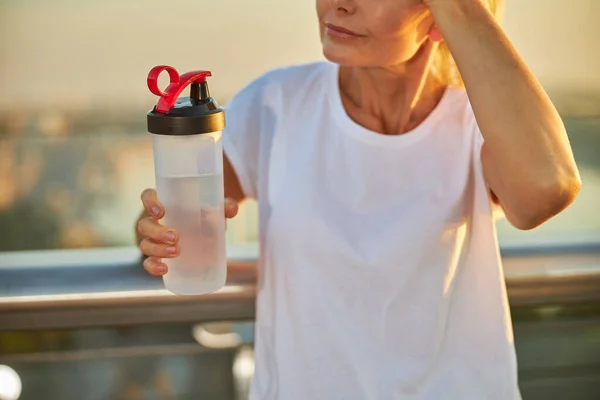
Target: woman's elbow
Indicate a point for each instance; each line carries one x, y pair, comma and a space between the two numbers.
543, 201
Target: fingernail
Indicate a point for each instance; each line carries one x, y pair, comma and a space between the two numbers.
156, 211
170, 236
171, 249
160, 269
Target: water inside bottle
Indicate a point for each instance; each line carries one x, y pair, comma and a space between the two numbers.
194, 207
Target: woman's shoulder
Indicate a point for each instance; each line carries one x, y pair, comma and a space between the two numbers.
292, 79
456, 106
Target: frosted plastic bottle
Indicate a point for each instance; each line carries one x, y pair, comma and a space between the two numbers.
188, 164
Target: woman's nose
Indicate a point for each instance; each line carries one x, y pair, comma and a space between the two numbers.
344, 6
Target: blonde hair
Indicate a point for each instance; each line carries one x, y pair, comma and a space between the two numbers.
444, 68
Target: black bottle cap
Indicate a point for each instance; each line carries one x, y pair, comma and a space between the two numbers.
192, 115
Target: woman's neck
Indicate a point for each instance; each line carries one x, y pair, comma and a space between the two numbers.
390, 101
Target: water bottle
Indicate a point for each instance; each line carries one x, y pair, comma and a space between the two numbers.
188, 165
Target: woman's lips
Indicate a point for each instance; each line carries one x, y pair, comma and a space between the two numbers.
339, 32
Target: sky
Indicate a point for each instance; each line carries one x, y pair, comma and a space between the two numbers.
82, 53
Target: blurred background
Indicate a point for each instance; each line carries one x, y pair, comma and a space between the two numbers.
75, 155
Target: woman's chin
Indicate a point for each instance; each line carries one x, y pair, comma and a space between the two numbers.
346, 61
339, 56
347, 56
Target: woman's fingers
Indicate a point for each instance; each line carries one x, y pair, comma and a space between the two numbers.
151, 228
151, 204
159, 241
155, 266
154, 249
231, 208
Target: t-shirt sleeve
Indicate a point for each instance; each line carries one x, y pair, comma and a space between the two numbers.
472, 126
242, 136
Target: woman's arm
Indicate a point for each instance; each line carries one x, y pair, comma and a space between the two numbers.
527, 159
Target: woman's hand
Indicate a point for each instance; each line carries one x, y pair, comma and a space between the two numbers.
161, 241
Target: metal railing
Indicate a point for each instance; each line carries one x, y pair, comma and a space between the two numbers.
100, 287
550, 289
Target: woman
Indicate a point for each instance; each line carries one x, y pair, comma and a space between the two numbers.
377, 176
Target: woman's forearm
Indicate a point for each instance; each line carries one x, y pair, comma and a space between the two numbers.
527, 158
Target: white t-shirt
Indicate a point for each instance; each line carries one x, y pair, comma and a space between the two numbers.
380, 276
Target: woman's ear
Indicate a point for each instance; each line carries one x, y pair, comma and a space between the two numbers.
435, 35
